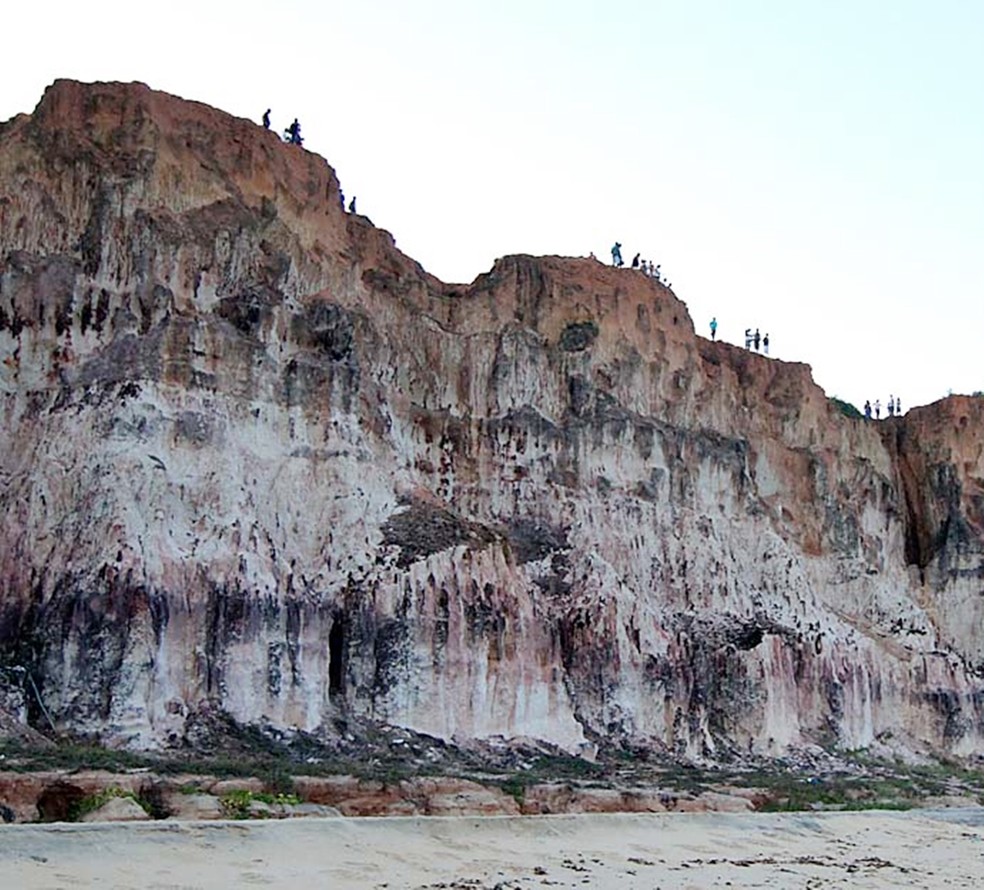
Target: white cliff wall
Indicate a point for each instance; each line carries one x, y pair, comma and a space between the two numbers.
255, 457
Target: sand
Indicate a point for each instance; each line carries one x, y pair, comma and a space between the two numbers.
799, 850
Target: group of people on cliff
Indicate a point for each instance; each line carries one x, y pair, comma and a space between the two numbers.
645, 266
756, 340
752, 340
292, 135
894, 408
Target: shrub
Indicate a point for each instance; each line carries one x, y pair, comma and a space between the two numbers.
846, 408
236, 804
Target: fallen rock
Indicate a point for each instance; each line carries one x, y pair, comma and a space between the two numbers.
260, 809
118, 809
193, 807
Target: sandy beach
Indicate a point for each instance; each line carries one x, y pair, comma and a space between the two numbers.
943, 848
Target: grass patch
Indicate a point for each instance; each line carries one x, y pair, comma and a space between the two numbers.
238, 804
71, 756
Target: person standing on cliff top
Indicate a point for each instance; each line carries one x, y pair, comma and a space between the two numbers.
757, 339
765, 344
266, 119
617, 255
867, 409
635, 261
714, 328
898, 407
891, 405
877, 409
352, 205
293, 133
748, 338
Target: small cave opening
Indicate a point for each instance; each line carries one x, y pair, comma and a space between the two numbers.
336, 658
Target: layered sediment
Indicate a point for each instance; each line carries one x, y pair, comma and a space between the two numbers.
257, 460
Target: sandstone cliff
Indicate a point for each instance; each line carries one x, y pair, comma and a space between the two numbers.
256, 459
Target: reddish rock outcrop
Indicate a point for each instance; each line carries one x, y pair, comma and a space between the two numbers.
54, 795
256, 459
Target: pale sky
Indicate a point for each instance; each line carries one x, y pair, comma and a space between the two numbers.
815, 170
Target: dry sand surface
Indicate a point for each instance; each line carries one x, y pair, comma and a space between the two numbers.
800, 850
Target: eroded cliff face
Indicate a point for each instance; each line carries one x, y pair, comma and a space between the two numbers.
257, 459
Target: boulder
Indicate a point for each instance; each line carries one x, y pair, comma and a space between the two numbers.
193, 807
118, 809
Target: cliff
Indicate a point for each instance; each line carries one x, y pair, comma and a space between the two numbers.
257, 460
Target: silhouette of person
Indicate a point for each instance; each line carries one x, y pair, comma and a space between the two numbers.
635, 261
757, 339
898, 407
617, 255
765, 344
877, 409
867, 409
266, 119
748, 338
352, 205
714, 328
294, 133
891, 406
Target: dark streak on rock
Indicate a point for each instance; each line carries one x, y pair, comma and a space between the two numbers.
422, 528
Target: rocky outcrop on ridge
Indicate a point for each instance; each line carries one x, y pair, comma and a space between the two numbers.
255, 459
